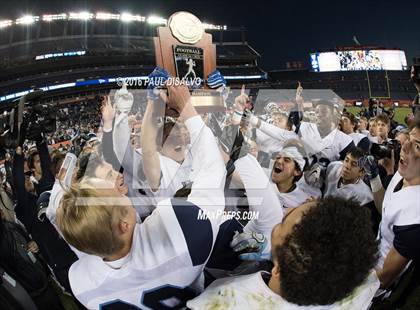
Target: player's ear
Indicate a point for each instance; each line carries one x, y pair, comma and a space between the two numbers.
275, 272
361, 173
124, 226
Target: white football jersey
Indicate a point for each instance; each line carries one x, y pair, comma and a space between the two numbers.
164, 265
292, 199
174, 176
332, 147
357, 137
57, 192
251, 292
267, 144
169, 249
373, 139
361, 140
400, 214
359, 191
309, 189
261, 197
271, 138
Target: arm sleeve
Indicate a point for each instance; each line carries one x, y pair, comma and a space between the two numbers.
208, 169
48, 178
130, 159
55, 198
364, 144
261, 196
345, 150
121, 136
108, 150
407, 241
276, 132
267, 143
296, 117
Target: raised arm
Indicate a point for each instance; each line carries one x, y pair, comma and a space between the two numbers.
262, 198
123, 101
208, 175
108, 114
148, 134
45, 159
275, 132
370, 166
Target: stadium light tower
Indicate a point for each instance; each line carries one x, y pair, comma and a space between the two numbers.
81, 15
27, 20
5, 23
107, 16
52, 17
126, 17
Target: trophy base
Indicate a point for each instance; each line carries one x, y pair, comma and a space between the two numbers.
207, 101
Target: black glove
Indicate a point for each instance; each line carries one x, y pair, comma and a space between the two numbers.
315, 175
370, 165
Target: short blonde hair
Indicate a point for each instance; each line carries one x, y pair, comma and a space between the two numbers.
89, 221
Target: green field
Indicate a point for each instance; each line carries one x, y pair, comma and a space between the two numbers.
400, 113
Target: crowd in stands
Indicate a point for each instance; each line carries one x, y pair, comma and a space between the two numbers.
292, 207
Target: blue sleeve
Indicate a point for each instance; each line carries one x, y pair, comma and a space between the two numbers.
364, 144
407, 241
295, 117
108, 150
48, 178
198, 232
344, 151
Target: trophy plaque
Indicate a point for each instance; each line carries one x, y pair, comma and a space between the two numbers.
186, 51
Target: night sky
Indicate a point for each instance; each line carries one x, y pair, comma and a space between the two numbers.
279, 30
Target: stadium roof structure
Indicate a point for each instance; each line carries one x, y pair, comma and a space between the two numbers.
72, 53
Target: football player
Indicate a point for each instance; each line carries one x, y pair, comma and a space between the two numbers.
347, 125
155, 264
399, 233
323, 254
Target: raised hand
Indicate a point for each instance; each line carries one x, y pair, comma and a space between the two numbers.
179, 96
370, 165
32, 247
157, 78
241, 100
388, 163
108, 112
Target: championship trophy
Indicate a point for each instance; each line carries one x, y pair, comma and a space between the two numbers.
186, 51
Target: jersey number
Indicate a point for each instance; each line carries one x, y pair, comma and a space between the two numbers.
155, 298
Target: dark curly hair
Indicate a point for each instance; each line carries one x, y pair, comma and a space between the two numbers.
328, 254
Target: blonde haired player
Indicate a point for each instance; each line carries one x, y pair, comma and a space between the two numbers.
157, 263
